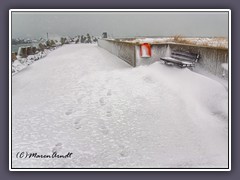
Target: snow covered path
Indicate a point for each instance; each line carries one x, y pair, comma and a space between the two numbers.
82, 99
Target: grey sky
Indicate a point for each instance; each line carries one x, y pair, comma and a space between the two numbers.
119, 24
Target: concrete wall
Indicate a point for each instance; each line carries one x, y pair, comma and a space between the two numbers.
125, 51
157, 52
211, 59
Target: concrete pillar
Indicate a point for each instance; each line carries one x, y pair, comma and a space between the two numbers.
41, 47
29, 51
24, 52
13, 57
34, 49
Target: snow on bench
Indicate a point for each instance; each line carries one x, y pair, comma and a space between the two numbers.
181, 59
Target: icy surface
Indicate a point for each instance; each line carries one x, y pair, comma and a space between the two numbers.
82, 99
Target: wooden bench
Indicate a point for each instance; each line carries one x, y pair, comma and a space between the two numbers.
181, 59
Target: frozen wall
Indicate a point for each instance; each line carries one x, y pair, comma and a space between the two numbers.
125, 51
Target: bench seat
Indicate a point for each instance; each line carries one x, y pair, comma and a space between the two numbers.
182, 59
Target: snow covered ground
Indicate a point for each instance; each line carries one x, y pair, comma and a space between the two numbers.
84, 100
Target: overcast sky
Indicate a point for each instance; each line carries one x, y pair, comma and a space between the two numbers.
119, 24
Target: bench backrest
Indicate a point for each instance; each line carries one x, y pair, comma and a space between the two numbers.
185, 56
